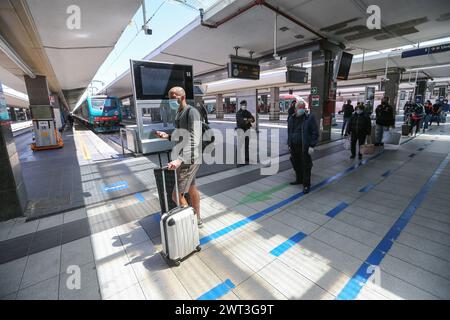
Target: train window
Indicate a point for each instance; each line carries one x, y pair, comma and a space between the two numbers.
98, 104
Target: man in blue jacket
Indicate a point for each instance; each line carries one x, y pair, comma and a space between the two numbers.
303, 134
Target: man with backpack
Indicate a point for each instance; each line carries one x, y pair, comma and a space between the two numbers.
187, 120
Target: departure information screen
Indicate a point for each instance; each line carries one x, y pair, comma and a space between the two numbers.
153, 80
160, 81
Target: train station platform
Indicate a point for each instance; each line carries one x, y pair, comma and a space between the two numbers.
378, 228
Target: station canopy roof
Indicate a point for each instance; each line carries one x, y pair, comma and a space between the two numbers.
37, 31
249, 24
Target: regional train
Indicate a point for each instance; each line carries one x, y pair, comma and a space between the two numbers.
100, 113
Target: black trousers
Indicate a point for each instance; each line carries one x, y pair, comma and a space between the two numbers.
247, 152
302, 163
361, 139
414, 123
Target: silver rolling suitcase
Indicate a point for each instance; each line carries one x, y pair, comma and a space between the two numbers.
179, 229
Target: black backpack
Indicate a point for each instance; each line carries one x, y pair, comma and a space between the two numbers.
205, 128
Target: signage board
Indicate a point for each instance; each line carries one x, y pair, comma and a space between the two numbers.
425, 51
243, 68
296, 75
315, 99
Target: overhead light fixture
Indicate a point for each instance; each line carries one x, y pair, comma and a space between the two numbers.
430, 67
12, 55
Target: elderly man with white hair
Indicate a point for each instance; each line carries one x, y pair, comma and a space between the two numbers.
303, 135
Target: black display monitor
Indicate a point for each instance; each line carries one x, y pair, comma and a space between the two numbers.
153, 80
344, 66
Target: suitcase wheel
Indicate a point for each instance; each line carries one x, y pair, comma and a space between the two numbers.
177, 263
198, 248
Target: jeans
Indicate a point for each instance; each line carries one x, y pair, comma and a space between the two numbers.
379, 129
426, 121
345, 125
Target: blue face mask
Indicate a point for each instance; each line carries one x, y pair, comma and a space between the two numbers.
174, 104
300, 112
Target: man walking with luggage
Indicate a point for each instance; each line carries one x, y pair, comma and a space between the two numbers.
187, 163
244, 120
384, 119
348, 111
359, 127
303, 134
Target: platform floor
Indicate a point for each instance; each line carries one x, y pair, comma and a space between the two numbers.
262, 239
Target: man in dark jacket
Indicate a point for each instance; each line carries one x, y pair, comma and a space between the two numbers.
303, 134
384, 119
359, 127
348, 111
244, 120
428, 107
436, 111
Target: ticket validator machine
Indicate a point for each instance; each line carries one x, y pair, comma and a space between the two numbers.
46, 135
151, 84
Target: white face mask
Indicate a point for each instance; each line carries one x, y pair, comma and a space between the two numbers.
359, 111
244, 107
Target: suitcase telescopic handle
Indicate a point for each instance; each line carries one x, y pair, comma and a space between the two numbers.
164, 169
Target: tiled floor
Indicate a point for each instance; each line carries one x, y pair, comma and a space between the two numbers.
110, 247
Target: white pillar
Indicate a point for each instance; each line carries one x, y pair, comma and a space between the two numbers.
274, 114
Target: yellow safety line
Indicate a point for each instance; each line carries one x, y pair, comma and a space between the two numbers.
84, 149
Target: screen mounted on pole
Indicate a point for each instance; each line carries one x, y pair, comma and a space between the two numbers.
344, 66
153, 80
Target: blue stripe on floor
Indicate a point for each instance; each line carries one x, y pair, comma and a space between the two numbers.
282, 248
334, 212
282, 203
367, 188
387, 173
359, 279
218, 291
121, 185
139, 196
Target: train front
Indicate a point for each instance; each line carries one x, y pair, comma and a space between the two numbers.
105, 114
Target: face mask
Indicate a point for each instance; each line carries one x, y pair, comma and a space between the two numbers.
359, 111
300, 112
244, 107
174, 104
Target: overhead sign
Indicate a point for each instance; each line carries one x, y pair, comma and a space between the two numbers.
425, 51
296, 75
243, 68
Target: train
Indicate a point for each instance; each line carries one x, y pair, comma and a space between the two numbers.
100, 113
